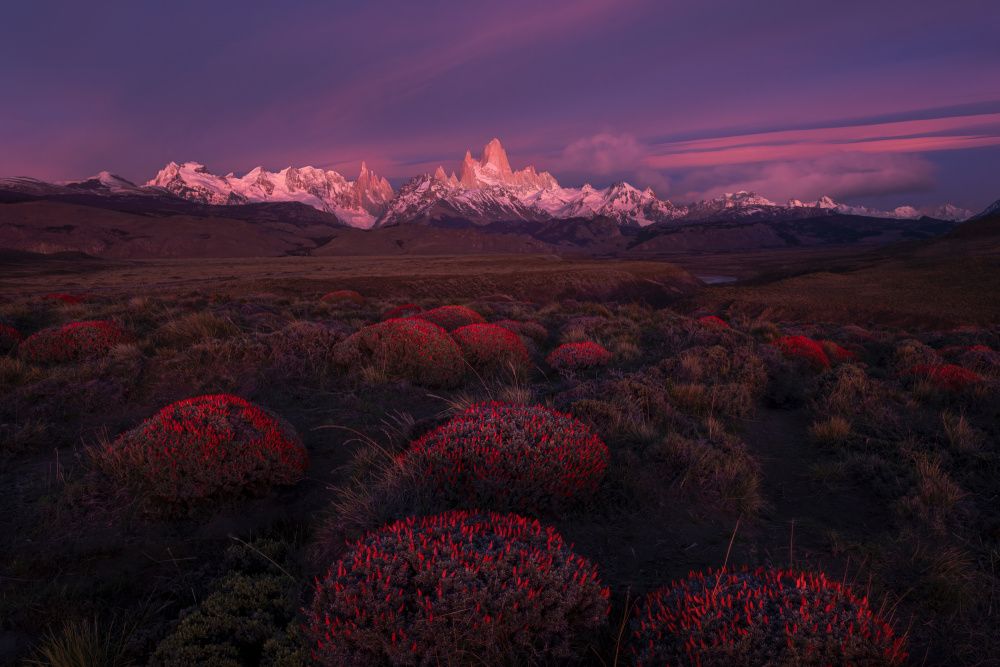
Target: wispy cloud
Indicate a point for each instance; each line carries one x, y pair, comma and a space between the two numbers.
900, 137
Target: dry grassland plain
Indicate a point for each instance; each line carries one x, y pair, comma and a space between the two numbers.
708, 442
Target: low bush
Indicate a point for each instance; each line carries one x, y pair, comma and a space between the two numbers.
510, 458
838, 355
247, 619
489, 347
68, 299
210, 447
800, 347
402, 312
764, 617
575, 356
455, 589
532, 330
411, 349
943, 376
977, 358
343, 297
79, 340
712, 320
9, 337
450, 318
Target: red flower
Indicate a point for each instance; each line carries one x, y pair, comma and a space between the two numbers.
800, 347
510, 458
432, 590
9, 337
491, 347
69, 299
213, 446
450, 318
411, 349
713, 321
573, 356
765, 616
403, 312
944, 376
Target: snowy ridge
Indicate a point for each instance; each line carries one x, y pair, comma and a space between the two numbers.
992, 209
357, 203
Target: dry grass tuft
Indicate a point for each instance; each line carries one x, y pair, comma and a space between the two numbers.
831, 431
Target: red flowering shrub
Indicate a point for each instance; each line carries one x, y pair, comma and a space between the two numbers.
402, 312
944, 376
510, 458
455, 589
838, 355
573, 356
9, 337
73, 341
978, 358
532, 330
800, 347
213, 446
491, 347
344, 296
411, 349
450, 318
764, 617
712, 320
69, 299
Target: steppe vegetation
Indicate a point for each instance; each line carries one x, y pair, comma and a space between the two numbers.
295, 479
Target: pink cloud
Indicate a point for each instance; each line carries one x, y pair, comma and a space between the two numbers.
840, 175
603, 154
900, 137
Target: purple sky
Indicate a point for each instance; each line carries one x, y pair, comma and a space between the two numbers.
880, 103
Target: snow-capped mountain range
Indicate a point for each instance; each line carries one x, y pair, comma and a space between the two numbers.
357, 203
484, 191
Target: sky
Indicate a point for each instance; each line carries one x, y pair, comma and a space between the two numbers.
877, 103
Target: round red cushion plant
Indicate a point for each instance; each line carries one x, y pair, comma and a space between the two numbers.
455, 589
213, 446
491, 347
410, 349
574, 356
532, 330
944, 376
763, 617
344, 296
9, 337
509, 457
450, 318
800, 347
69, 342
402, 312
712, 320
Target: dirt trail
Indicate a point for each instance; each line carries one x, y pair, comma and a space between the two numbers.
804, 512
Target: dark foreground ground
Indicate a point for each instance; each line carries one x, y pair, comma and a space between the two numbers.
856, 472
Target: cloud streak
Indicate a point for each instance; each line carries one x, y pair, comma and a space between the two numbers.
899, 137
